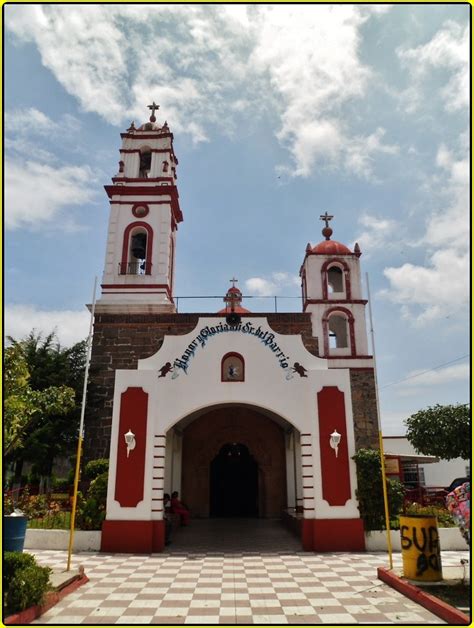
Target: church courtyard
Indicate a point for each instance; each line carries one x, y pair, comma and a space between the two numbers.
235, 572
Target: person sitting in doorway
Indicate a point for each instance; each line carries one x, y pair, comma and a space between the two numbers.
166, 518
179, 508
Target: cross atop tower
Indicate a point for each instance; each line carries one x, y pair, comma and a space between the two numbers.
326, 217
154, 107
234, 281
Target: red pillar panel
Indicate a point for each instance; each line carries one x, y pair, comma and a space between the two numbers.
335, 476
130, 537
339, 535
130, 474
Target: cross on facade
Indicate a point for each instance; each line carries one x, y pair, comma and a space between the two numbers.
326, 217
153, 108
234, 281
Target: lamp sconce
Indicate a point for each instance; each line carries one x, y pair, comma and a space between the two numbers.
334, 440
130, 441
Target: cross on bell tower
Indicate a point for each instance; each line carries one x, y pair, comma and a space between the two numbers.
327, 231
154, 107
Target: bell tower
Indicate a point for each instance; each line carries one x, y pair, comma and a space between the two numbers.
332, 293
144, 216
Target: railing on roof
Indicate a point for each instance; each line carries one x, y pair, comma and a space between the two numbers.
256, 304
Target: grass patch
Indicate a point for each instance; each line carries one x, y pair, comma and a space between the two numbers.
56, 521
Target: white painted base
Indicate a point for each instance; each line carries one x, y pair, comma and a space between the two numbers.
450, 539
84, 541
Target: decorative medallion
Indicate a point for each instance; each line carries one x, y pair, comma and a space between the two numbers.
140, 210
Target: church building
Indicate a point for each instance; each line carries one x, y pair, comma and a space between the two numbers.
245, 414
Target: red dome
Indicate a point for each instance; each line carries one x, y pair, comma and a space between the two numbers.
331, 247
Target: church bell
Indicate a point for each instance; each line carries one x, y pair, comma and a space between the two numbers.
139, 245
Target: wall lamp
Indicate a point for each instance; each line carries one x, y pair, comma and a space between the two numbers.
334, 440
130, 441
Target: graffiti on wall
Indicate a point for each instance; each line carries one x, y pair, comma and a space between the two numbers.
422, 541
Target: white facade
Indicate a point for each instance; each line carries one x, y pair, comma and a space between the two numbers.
268, 386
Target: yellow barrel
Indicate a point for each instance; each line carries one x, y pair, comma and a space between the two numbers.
421, 552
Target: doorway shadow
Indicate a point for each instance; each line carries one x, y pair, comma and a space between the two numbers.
234, 483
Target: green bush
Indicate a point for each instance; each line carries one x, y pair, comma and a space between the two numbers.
443, 515
94, 468
91, 510
370, 490
60, 485
24, 582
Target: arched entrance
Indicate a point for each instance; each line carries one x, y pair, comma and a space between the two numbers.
251, 481
234, 483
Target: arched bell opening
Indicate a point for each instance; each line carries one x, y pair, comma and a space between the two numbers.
145, 163
137, 252
137, 249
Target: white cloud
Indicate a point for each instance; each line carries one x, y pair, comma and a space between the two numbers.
440, 286
452, 373
27, 121
70, 326
448, 50
378, 233
37, 194
270, 286
302, 62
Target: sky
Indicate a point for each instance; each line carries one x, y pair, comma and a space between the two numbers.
279, 113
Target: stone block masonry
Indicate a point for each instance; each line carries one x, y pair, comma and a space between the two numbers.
364, 408
120, 340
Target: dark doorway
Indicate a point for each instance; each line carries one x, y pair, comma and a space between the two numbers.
234, 483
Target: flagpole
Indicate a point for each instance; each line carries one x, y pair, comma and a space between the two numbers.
81, 430
379, 425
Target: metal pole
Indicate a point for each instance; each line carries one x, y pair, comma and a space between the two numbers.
81, 431
295, 480
382, 457
276, 308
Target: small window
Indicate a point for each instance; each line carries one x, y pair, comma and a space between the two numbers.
232, 368
337, 331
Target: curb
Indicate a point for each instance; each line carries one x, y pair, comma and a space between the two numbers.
52, 598
443, 610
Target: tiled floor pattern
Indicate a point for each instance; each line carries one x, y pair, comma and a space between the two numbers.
230, 587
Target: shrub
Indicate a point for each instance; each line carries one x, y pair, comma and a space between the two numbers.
91, 511
370, 491
24, 582
94, 468
60, 485
443, 515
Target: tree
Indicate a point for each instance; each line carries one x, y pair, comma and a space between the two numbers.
442, 431
51, 368
24, 407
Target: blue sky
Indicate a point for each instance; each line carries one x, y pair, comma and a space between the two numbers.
279, 113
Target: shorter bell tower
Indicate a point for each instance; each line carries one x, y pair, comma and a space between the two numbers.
144, 215
332, 293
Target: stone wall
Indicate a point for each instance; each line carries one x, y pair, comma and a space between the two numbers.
120, 340
364, 408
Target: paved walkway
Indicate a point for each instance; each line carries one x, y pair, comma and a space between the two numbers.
234, 572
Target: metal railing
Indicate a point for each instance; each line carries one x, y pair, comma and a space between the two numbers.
255, 304
135, 268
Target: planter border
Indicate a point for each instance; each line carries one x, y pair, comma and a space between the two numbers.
52, 598
443, 610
